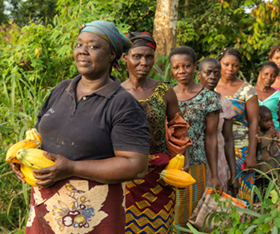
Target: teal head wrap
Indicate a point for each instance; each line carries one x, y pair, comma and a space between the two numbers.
110, 33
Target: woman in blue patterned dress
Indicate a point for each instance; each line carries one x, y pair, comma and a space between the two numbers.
245, 123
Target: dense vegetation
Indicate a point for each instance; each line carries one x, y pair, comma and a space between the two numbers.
36, 46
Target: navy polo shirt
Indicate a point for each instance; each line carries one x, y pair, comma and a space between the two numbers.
108, 120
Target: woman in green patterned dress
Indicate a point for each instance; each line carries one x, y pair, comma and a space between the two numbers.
200, 107
149, 202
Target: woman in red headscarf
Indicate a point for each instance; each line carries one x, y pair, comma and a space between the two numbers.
149, 201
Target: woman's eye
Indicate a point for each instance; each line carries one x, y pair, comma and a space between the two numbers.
78, 45
92, 47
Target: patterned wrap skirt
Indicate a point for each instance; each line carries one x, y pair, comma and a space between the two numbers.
150, 203
77, 206
187, 198
246, 180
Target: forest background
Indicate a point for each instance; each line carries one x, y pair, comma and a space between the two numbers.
37, 38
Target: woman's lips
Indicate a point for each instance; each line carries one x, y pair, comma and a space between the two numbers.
83, 62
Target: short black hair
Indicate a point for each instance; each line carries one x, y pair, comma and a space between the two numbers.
271, 64
264, 110
184, 50
206, 60
230, 51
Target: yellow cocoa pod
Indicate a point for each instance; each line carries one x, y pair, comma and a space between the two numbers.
177, 162
177, 178
26, 144
33, 134
34, 158
28, 175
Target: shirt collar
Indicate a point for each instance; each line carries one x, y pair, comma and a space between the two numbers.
107, 91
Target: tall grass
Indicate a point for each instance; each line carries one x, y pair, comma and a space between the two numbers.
20, 102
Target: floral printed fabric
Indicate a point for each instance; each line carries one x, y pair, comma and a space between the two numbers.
155, 109
77, 206
228, 113
194, 113
241, 138
240, 121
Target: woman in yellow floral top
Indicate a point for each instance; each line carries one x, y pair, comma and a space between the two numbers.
245, 122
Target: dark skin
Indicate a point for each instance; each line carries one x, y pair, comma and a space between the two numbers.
276, 58
139, 62
266, 125
93, 58
209, 76
228, 86
267, 78
183, 69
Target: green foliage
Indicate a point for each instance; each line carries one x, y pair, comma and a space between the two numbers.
3, 17
31, 10
212, 25
263, 219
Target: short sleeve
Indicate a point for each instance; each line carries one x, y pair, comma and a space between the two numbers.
212, 102
130, 132
249, 92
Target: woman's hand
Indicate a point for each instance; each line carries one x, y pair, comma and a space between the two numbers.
217, 184
16, 169
186, 167
251, 163
49, 175
233, 186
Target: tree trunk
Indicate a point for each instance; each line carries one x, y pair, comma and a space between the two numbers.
165, 26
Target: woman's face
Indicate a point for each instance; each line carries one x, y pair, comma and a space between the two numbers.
93, 55
268, 75
183, 68
276, 58
229, 67
139, 61
209, 75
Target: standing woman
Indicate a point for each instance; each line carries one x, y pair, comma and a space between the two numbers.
267, 95
274, 56
245, 122
149, 202
98, 136
209, 74
200, 108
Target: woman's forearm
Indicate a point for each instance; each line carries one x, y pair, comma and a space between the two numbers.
125, 166
229, 147
211, 146
111, 170
253, 141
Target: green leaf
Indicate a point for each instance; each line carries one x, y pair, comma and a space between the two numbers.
265, 227
274, 213
238, 231
249, 212
249, 229
274, 230
276, 222
268, 219
274, 196
262, 218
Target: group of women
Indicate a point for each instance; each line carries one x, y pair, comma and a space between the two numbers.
118, 134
